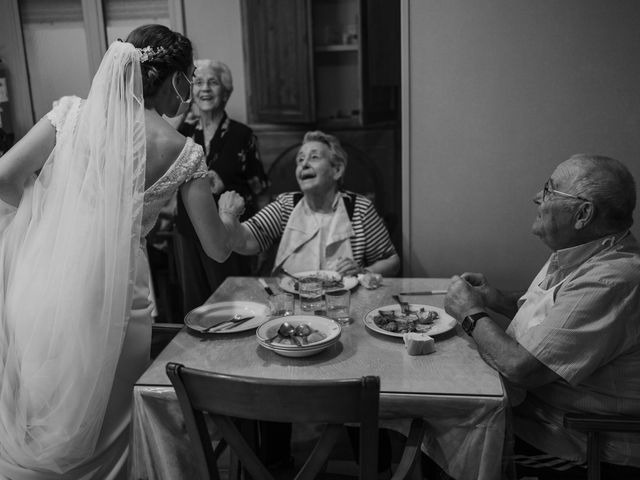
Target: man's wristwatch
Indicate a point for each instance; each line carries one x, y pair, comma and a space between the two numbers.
469, 322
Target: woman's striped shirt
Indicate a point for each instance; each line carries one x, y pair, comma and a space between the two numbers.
369, 243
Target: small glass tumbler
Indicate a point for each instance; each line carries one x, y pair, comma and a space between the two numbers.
282, 304
338, 305
310, 290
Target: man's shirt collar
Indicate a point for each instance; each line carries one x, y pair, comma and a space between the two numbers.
564, 261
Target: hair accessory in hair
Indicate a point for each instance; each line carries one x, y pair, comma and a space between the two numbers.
149, 53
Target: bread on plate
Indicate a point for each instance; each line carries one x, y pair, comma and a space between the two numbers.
419, 343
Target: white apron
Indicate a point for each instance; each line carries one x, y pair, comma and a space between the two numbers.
299, 248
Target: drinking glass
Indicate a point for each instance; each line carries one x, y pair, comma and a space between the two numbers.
282, 304
338, 305
310, 290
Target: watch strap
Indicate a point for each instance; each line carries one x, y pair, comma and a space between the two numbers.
469, 322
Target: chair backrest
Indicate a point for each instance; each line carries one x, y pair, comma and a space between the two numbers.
593, 425
225, 397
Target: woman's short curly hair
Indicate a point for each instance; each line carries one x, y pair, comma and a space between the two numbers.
175, 54
219, 69
338, 155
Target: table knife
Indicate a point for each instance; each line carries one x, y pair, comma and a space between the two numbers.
425, 292
266, 287
227, 324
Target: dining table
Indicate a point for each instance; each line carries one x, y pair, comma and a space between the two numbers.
461, 399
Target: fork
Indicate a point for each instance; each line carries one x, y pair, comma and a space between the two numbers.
295, 280
404, 306
287, 274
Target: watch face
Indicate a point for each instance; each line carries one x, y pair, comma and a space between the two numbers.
467, 325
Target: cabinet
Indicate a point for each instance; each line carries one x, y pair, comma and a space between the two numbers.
332, 63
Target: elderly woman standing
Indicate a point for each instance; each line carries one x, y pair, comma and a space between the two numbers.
234, 163
320, 227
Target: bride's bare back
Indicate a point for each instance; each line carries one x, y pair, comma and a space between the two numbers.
164, 145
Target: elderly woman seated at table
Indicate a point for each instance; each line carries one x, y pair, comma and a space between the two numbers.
320, 227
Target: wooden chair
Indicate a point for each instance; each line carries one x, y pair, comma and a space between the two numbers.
334, 403
593, 425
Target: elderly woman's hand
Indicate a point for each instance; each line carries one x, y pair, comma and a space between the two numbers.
231, 203
348, 267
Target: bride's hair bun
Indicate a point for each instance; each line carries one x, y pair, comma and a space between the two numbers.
163, 53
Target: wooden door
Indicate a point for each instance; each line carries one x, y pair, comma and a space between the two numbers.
278, 61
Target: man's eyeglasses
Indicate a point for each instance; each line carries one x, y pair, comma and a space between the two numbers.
547, 191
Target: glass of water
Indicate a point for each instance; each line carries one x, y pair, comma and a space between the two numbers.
338, 305
310, 290
282, 304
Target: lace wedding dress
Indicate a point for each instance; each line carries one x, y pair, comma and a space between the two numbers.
74, 286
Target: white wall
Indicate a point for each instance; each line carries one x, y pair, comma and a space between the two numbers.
215, 28
500, 91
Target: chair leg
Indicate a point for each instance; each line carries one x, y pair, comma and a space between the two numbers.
416, 473
410, 467
593, 456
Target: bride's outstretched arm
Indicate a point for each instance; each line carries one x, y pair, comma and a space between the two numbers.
24, 159
231, 206
203, 213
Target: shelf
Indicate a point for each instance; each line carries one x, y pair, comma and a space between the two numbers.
351, 47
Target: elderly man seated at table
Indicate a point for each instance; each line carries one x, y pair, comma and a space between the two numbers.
320, 227
573, 343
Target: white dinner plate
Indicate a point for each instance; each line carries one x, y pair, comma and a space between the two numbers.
205, 316
288, 284
442, 324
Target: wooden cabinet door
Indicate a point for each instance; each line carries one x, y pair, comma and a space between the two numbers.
278, 61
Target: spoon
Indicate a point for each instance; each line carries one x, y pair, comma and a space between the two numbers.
300, 333
285, 330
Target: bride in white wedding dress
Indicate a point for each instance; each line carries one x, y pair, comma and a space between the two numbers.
78, 194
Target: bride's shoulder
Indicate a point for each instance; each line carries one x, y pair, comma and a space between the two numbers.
168, 151
61, 109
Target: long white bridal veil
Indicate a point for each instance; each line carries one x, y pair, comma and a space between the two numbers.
67, 256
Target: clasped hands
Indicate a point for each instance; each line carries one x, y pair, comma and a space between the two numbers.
347, 267
231, 203
468, 293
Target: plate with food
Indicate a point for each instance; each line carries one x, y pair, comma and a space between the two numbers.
391, 320
227, 317
298, 335
331, 280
